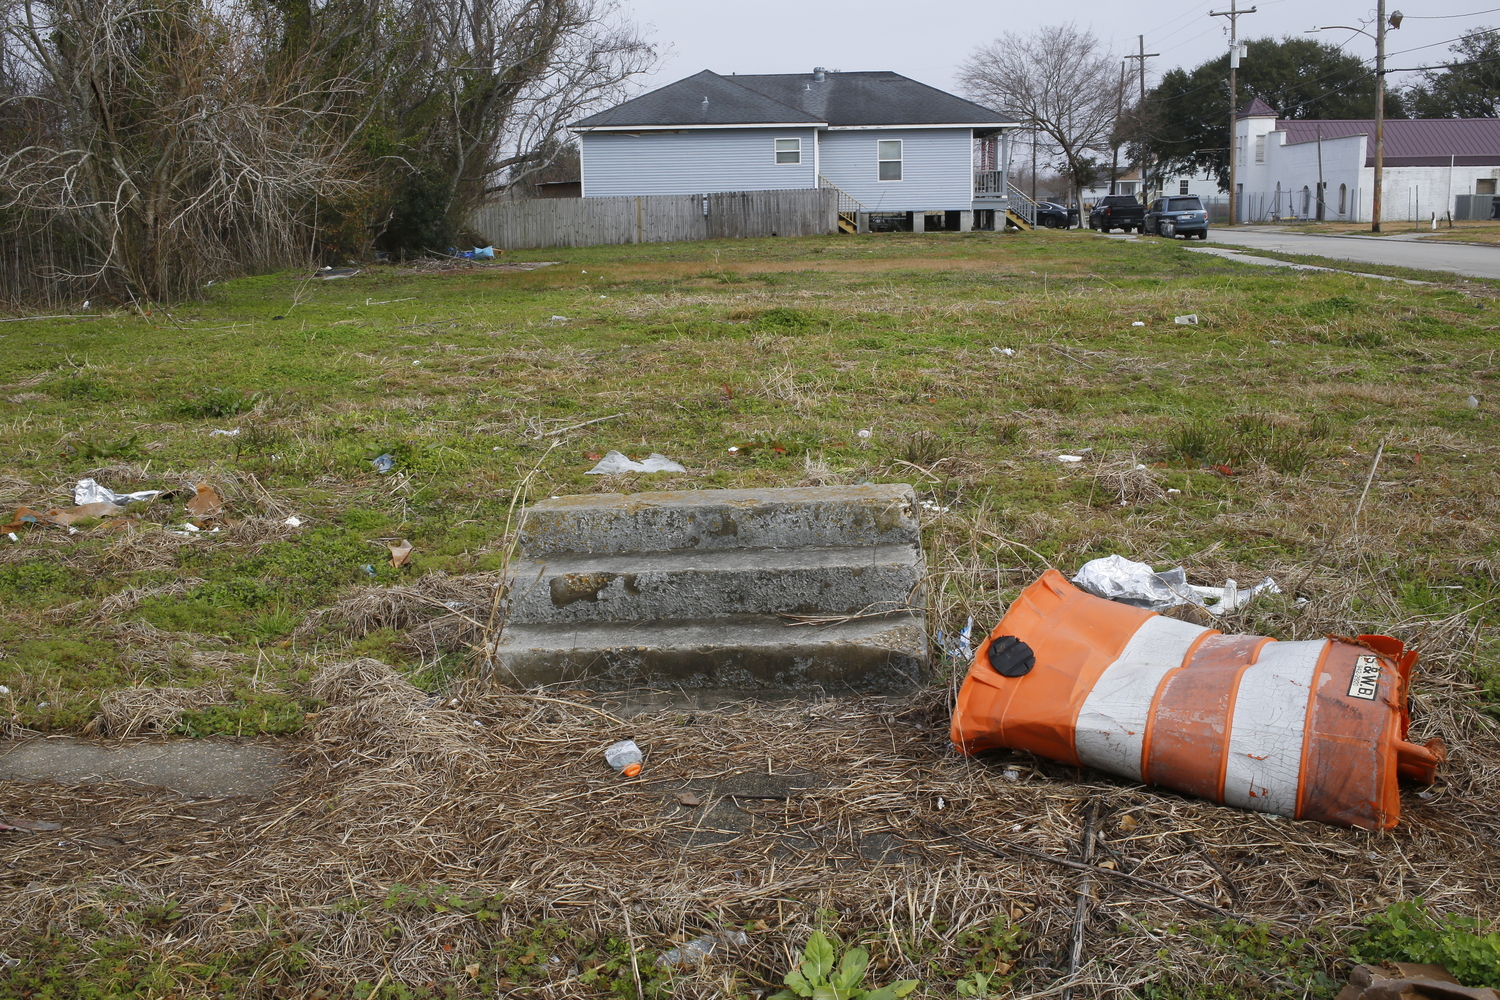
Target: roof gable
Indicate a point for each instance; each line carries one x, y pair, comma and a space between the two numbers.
849, 100
705, 98
1258, 109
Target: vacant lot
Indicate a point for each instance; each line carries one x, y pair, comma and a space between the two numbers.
437, 834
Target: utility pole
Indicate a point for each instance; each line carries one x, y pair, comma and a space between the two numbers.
1143, 55
1321, 208
1233, 13
1114, 163
1379, 113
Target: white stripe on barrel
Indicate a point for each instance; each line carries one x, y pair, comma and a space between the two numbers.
1111, 728
1264, 763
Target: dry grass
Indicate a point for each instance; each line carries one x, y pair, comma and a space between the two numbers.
138, 711
834, 814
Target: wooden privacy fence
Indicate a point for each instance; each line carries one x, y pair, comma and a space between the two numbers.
579, 222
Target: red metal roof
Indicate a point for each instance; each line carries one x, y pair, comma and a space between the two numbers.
1466, 142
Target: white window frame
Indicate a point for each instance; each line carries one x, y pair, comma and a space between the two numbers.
1182, 188
1260, 149
900, 161
776, 152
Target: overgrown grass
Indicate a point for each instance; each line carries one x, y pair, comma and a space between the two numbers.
1241, 447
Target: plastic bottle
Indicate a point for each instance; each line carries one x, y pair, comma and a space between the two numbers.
624, 757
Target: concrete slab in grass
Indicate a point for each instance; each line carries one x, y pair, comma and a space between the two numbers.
192, 767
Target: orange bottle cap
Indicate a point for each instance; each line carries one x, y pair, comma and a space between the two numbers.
631, 770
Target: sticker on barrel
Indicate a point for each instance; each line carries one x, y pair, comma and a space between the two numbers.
1366, 680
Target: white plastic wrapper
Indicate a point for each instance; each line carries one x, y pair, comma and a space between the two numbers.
88, 491
613, 463
1116, 578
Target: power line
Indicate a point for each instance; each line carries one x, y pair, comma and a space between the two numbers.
1441, 17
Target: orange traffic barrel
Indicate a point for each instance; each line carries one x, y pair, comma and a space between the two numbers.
1311, 730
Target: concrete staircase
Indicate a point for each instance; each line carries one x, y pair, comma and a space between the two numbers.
692, 589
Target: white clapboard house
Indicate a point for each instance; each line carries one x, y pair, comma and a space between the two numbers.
891, 146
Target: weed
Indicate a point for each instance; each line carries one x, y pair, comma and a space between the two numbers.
213, 403
1407, 932
1239, 441
817, 976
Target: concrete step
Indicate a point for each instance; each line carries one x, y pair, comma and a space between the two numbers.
698, 520
747, 652
716, 583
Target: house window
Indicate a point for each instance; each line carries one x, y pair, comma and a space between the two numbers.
888, 154
1306, 200
1182, 187
1484, 186
1343, 197
788, 150
1260, 149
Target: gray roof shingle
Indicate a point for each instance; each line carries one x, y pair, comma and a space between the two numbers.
840, 99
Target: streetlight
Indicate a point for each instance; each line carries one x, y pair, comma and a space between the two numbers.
1379, 37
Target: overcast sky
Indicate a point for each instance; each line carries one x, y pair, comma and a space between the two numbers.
928, 39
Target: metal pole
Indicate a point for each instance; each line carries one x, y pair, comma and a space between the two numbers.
1379, 113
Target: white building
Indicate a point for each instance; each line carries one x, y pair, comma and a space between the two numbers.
1428, 162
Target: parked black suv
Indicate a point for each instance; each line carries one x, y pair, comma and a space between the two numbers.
1180, 216
1117, 211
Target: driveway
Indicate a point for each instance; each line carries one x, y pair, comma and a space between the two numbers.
1470, 260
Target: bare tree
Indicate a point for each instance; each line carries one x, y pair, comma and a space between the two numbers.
151, 144
1061, 81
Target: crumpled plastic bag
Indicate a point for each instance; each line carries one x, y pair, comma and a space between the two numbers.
613, 463
87, 491
701, 947
1116, 578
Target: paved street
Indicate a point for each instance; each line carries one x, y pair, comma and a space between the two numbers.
1399, 251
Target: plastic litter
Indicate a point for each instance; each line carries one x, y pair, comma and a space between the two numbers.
614, 462
1304, 729
559, 319
1007, 351
87, 491
958, 647
330, 273
294, 521
1116, 578
701, 947
624, 757
1138, 323
1191, 319
1472, 402
483, 253
217, 432
384, 463
1070, 458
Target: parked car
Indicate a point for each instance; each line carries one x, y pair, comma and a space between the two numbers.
1117, 211
1183, 216
1055, 216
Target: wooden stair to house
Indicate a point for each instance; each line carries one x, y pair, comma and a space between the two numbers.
1014, 218
849, 207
